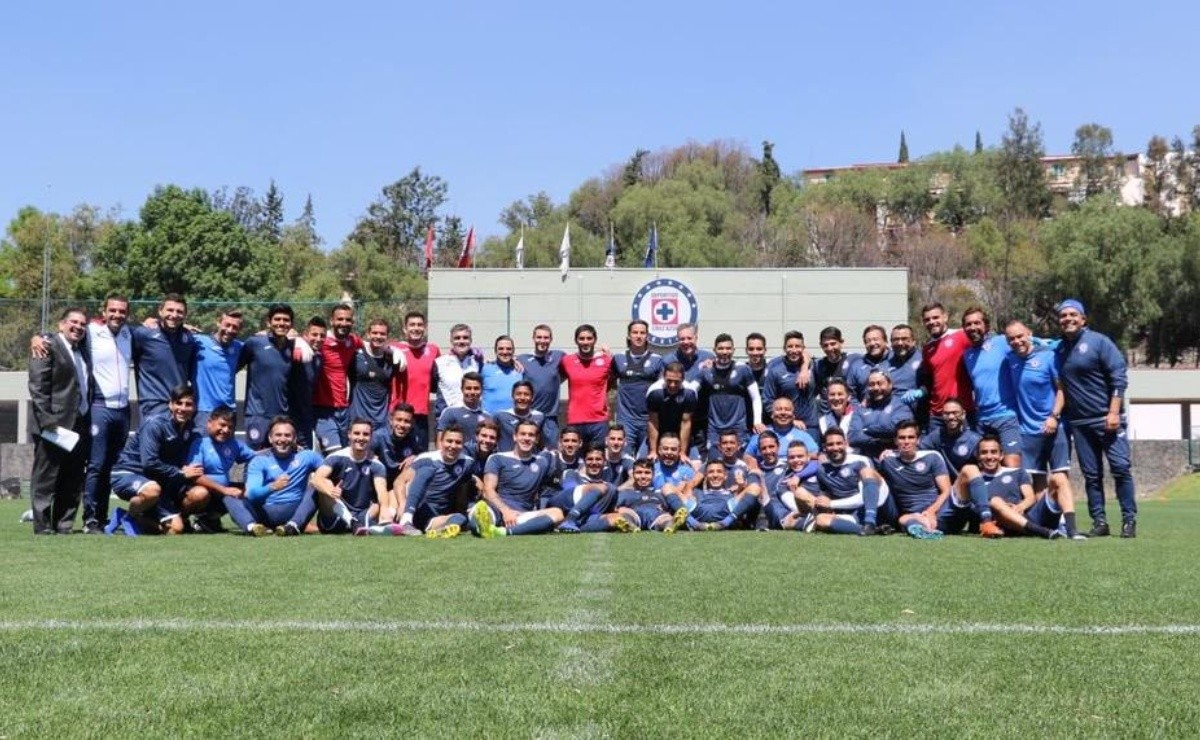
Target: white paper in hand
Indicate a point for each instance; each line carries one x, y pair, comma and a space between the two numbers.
61, 437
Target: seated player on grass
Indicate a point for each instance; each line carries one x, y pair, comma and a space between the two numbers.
918, 482
642, 507
153, 473
586, 496
217, 452
432, 496
512, 485
793, 495
567, 457
729, 448
953, 438
396, 446
522, 409
671, 472
722, 503
850, 489
278, 494
617, 464
1002, 498
351, 486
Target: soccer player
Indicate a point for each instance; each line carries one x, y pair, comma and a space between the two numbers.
512, 485
670, 407
566, 458
873, 426
301, 384
918, 483
726, 388
841, 411
153, 474
351, 486
720, 503
1045, 451
756, 360
499, 376
790, 376
617, 464
875, 343
218, 358
273, 361
520, 409
448, 369
587, 375
942, 374
415, 383
110, 344
643, 506
850, 492
770, 467
834, 364
635, 370
542, 369
954, 439
728, 453
431, 505
331, 391
587, 496
1094, 379
784, 427
278, 494
686, 353
163, 356
793, 497
984, 360
467, 414
216, 452
396, 446
904, 360
672, 474
1001, 498
372, 371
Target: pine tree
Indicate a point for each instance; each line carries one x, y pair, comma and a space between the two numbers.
978, 143
903, 159
272, 224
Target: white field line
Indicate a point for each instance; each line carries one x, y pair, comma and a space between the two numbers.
583, 627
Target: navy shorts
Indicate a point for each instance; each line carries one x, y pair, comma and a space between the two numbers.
334, 524
332, 427
647, 515
1009, 432
1046, 453
1045, 512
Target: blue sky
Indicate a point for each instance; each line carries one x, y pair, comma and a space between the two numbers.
104, 101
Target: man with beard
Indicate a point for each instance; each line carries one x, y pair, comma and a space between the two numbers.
725, 390
954, 439
671, 406
587, 374
873, 428
904, 360
875, 357
849, 498
984, 361
413, 386
834, 364
942, 374
918, 483
635, 370
790, 376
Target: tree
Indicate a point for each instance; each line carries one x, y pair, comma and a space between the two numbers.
272, 214
396, 222
308, 223
768, 169
978, 143
1158, 187
1093, 146
449, 242
632, 173
30, 236
903, 157
1019, 170
243, 205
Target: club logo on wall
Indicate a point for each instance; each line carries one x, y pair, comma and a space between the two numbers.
665, 304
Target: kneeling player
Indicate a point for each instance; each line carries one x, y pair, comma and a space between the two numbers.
720, 503
918, 482
278, 493
642, 507
1002, 497
850, 489
217, 453
437, 479
512, 482
351, 486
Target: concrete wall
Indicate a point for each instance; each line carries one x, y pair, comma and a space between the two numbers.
495, 302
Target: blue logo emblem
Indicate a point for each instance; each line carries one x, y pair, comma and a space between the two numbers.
665, 304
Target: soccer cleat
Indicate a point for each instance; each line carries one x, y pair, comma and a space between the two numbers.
714, 527
1099, 529
809, 523
92, 527
258, 530
287, 530
883, 530
207, 525
917, 531
27, 516
568, 527
1128, 529
624, 525
1079, 537
408, 530
448, 532
1055, 535
868, 530
678, 519
362, 531
761, 524
990, 530
483, 520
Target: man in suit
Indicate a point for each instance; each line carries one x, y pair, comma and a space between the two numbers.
58, 387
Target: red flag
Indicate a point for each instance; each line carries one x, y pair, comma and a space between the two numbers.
429, 249
464, 259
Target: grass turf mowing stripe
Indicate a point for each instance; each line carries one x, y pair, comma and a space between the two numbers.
582, 627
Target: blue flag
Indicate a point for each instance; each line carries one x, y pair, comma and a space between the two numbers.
652, 248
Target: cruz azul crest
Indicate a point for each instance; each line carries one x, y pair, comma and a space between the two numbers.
665, 304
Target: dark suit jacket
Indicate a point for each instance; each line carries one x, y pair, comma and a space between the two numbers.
54, 387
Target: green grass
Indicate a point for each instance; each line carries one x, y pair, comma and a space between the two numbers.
454, 676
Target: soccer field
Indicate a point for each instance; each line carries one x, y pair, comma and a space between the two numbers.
698, 634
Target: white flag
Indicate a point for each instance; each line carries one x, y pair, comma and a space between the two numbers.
564, 252
521, 251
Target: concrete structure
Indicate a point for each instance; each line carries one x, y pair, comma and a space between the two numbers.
738, 302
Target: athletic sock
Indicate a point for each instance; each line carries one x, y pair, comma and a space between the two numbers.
870, 491
1069, 519
843, 526
977, 489
534, 525
1036, 529
583, 506
728, 521
674, 501
595, 524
